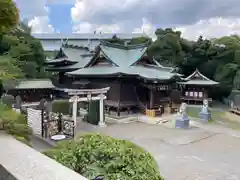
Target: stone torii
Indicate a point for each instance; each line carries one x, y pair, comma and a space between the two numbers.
89, 92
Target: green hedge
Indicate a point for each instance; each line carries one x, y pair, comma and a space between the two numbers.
63, 106
14, 123
8, 100
94, 154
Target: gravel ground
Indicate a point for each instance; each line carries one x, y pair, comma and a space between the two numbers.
206, 152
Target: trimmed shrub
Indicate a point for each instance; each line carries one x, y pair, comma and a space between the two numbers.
8, 100
64, 107
94, 154
61, 106
14, 123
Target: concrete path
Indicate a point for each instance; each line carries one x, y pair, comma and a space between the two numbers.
199, 153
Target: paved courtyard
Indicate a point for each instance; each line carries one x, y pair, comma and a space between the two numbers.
207, 152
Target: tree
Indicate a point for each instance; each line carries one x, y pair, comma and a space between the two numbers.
94, 154
9, 15
167, 48
9, 69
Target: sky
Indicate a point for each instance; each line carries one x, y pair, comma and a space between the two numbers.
209, 18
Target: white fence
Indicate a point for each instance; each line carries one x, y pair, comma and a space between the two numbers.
34, 118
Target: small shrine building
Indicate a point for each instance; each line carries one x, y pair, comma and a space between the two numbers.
195, 88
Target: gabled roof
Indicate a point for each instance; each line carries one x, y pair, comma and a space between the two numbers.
124, 58
71, 54
122, 55
83, 61
197, 78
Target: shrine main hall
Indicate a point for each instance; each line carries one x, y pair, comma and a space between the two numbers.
136, 81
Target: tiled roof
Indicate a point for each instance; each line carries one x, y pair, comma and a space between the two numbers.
197, 78
141, 71
123, 57
35, 84
73, 55
83, 61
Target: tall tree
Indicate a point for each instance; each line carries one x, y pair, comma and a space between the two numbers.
9, 15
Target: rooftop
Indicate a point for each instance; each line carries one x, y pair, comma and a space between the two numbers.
197, 78
35, 84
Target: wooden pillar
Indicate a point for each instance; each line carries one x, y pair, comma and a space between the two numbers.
205, 93
151, 104
119, 98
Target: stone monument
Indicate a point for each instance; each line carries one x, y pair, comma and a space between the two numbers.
182, 120
205, 114
18, 104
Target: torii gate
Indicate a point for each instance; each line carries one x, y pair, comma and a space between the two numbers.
89, 92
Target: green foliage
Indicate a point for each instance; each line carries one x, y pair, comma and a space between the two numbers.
236, 81
64, 107
140, 40
21, 55
8, 100
9, 15
95, 154
218, 59
13, 122
61, 106
9, 69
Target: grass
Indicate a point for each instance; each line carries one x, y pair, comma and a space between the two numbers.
217, 117
194, 112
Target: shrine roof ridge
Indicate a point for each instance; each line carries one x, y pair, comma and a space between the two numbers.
35, 84
75, 46
86, 91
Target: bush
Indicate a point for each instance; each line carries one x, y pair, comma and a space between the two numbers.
61, 106
8, 100
94, 154
14, 123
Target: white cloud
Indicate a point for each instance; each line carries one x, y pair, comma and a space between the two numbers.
146, 28
41, 25
86, 27
36, 12
214, 27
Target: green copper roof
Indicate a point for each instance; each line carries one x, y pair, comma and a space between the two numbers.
83, 61
123, 56
197, 78
148, 73
199, 82
70, 54
35, 84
